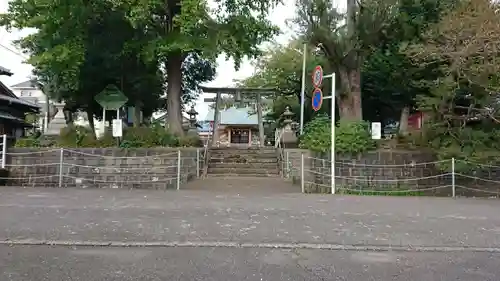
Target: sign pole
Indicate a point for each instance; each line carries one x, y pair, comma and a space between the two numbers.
316, 106
103, 120
118, 118
332, 156
303, 89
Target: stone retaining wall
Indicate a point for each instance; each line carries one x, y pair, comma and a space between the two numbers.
387, 170
153, 168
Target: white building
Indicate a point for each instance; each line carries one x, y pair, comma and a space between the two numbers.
30, 90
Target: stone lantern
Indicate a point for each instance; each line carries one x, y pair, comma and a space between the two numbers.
289, 137
287, 118
192, 121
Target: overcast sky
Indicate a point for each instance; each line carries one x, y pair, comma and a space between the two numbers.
226, 74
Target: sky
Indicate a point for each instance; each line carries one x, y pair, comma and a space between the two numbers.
226, 74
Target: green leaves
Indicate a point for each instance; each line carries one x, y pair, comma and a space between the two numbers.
351, 138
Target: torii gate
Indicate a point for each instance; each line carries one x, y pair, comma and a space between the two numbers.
237, 93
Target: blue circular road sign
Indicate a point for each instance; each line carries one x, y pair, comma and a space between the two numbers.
317, 99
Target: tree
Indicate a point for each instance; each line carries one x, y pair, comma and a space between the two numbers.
345, 45
463, 107
177, 28
390, 81
76, 57
280, 68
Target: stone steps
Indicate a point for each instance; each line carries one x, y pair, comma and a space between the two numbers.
244, 171
251, 162
232, 175
250, 165
242, 160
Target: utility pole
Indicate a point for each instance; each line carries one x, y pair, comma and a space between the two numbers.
303, 89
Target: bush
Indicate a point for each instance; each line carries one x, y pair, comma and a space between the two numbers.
76, 136
316, 135
27, 142
133, 137
350, 137
154, 136
190, 141
353, 138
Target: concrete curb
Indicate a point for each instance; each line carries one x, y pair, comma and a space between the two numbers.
312, 246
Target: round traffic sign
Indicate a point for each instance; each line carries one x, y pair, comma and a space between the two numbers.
317, 99
317, 77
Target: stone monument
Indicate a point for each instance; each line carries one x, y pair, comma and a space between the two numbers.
58, 122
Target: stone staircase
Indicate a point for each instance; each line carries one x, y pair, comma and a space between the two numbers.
244, 162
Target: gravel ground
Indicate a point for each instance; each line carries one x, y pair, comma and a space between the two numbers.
460, 238
45, 263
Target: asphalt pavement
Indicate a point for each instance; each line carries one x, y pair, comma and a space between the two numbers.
199, 235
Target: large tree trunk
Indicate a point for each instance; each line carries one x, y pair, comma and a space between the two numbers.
90, 118
350, 100
137, 115
174, 75
403, 120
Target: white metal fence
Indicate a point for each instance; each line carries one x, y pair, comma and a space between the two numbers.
4, 150
63, 167
440, 178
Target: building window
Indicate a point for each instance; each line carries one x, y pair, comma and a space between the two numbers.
25, 94
240, 136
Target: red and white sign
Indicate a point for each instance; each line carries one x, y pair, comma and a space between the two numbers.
317, 77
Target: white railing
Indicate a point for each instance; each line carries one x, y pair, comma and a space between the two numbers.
69, 167
4, 151
278, 134
314, 175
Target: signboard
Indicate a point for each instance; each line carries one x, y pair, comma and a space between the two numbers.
317, 77
117, 128
376, 130
111, 98
317, 99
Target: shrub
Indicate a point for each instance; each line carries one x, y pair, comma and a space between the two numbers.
133, 137
316, 135
350, 137
190, 141
353, 137
27, 142
154, 136
76, 136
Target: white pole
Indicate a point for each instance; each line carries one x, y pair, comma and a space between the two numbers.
4, 150
197, 162
332, 152
303, 89
302, 180
103, 120
61, 155
453, 188
287, 165
178, 169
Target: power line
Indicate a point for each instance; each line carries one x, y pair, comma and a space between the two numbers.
14, 52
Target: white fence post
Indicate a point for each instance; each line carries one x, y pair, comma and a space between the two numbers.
197, 163
4, 150
287, 165
453, 188
61, 155
302, 173
178, 169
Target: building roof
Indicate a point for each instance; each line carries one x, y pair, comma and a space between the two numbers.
29, 84
7, 95
5, 71
234, 116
